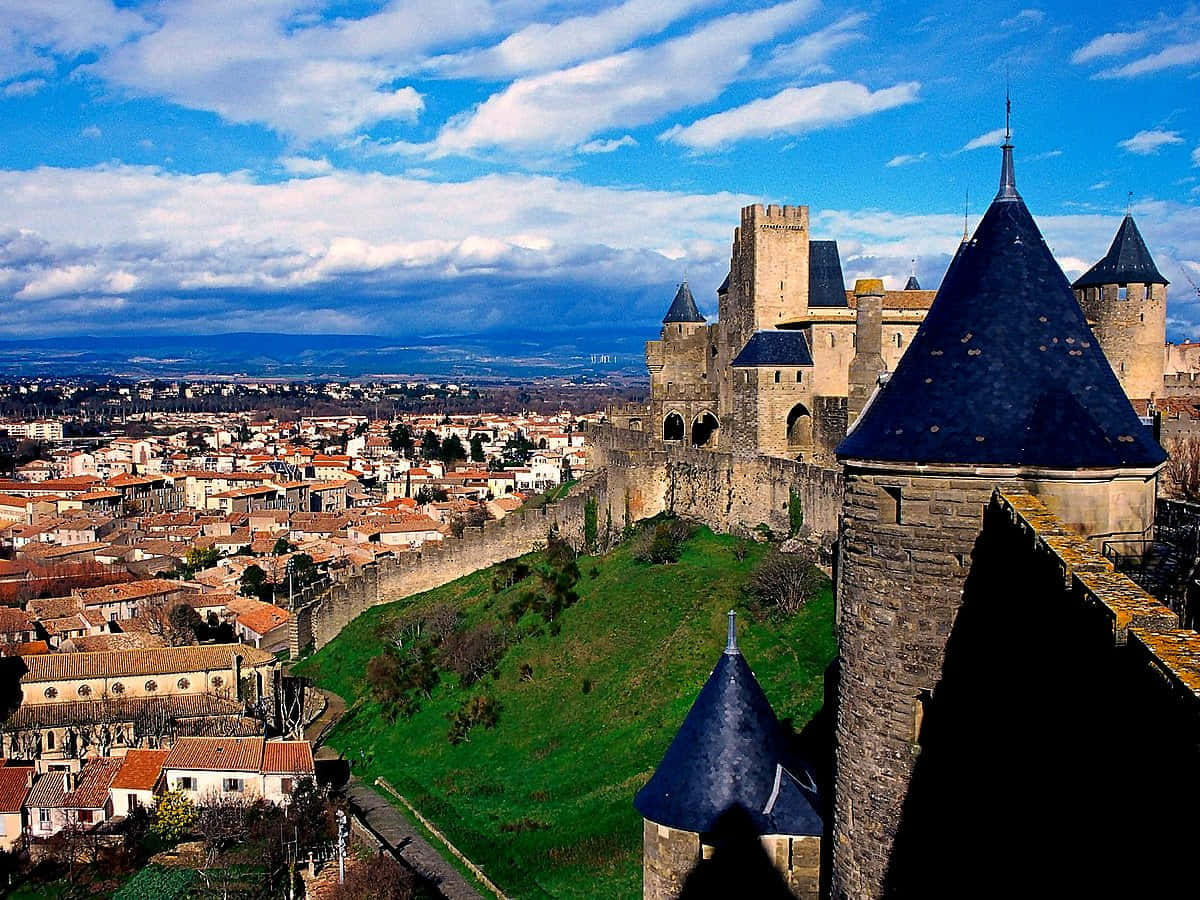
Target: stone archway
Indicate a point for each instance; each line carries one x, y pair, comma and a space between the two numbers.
799, 426
673, 429
705, 430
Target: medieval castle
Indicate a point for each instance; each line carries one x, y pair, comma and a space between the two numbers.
987, 451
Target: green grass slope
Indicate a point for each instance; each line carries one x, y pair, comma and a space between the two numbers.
543, 802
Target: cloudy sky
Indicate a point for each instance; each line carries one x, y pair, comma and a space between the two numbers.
426, 167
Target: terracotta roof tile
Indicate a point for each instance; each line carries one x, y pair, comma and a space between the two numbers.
217, 754
91, 787
140, 770
287, 758
15, 782
151, 661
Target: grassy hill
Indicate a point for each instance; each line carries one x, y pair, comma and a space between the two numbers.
543, 801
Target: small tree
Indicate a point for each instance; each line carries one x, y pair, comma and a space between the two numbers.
380, 879
474, 653
253, 582
401, 440
431, 447
1183, 466
452, 449
477, 454
174, 816
199, 558
663, 543
282, 547
785, 582
184, 625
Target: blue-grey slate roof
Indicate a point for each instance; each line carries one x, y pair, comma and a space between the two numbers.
774, 348
826, 285
1127, 261
683, 307
1004, 370
912, 284
731, 751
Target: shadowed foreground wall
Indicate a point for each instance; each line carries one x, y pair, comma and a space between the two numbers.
1056, 750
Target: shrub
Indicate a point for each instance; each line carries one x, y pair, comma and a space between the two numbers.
480, 710
785, 582
174, 816
381, 879
663, 543
473, 653
400, 683
525, 673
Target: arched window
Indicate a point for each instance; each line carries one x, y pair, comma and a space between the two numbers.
799, 426
673, 427
704, 430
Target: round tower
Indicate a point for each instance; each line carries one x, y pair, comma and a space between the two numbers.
728, 806
1124, 297
1003, 383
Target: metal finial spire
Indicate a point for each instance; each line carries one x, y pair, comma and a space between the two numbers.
1129, 204
731, 647
1007, 109
966, 214
1008, 181
913, 269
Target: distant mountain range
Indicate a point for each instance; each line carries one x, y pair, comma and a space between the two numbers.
303, 356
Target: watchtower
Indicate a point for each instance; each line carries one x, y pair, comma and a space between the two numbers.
1124, 297
1004, 382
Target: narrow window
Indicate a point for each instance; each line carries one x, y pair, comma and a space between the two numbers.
832, 341
1122, 293
920, 707
797, 376
777, 376
1149, 294
889, 505
49, 740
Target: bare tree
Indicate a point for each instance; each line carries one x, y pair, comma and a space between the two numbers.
1183, 466
222, 820
292, 706
785, 582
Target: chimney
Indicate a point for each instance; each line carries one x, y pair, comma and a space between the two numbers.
867, 363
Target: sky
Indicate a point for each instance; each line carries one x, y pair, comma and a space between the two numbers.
438, 167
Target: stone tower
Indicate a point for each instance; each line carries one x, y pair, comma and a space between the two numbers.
867, 364
1125, 300
727, 782
683, 395
1004, 382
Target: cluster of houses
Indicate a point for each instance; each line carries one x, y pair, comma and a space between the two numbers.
106, 789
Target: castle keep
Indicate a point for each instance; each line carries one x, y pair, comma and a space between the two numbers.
772, 374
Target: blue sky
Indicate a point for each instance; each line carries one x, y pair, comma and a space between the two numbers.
441, 166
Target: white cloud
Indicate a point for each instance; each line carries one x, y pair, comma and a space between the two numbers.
540, 46
304, 165
1099, 185
791, 111
1148, 142
1168, 57
1196, 156
811, 52
275, 64
25, 88
1026, 18
1038, 157
564, 108
33, 35
906, 159
607, 146
1112, 44
993, 138
91, 131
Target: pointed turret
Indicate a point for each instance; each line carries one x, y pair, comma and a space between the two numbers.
683, 308
912, 284
730, 751
1127, 261
1004, 370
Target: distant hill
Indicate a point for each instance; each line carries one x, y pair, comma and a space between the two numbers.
543, 801
518, 354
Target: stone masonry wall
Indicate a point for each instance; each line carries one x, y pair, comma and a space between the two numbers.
318, 620
900, 585
729, 493
1027, 706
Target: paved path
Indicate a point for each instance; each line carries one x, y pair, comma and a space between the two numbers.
335, 707
406, 842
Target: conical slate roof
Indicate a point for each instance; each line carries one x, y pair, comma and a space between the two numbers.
731, 751
912, 284
826, 285
683, 307
1127, 261
1004, 370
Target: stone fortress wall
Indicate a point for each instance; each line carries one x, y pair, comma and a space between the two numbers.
1053, 676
